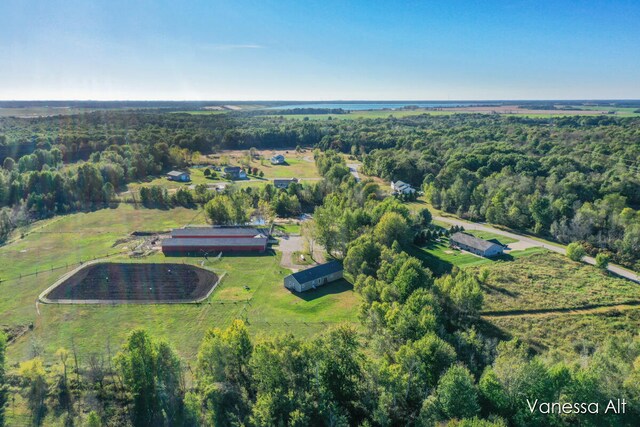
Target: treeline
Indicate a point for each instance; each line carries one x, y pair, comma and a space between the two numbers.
300, 111
569, 178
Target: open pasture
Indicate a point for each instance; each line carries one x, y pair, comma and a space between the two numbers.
252, 289
552, 281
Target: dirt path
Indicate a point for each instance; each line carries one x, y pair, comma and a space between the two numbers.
292, 243
588, 309
288, 245
616, 269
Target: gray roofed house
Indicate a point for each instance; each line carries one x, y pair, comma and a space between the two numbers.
234, 172
283, 182
314, 276
475, 245
179, 176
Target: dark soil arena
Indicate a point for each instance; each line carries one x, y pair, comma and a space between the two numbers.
136, 283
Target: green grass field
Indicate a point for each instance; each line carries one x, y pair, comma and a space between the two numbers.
197, 177
297, 167
252, 289
569, 335
441, 258
383, 114
551, 302
486, 235
289, 228
550, 281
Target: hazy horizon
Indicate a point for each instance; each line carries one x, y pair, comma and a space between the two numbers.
327, 101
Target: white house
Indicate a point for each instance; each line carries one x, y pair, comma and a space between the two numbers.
402, 187
278, 159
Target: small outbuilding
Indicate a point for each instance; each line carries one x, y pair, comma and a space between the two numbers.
475, 245
179, 176
313, 277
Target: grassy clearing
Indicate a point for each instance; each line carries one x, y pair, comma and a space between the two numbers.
289, 228
197, 177
298, 165
251, 289
569, 334
441, 258
550, 280
301, 258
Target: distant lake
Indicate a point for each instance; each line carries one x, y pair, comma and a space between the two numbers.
380, 106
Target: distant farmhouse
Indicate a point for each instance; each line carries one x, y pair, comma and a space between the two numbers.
475, 245
179, 176
278, 159
234, 172
284, 182
200, 240
402, 188
313, 277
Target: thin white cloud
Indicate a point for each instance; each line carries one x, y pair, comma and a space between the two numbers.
234, 46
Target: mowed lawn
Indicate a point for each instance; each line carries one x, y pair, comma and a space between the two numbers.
440, 258
197, 177
552, 281
298, 165
251, 289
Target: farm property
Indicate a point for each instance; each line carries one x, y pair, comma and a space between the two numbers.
125, 282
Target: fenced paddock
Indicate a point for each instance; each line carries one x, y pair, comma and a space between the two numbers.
114, 283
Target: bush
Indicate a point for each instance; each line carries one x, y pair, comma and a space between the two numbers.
602, 261
576, 251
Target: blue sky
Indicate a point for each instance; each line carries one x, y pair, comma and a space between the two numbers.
319, 50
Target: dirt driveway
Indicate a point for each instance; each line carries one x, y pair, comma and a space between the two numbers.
292, 243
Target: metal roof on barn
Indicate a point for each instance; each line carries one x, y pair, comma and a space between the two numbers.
317, 272
198, 243
215, 231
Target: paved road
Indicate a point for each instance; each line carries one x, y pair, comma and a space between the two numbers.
555, 248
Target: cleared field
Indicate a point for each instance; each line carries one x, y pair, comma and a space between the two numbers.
252, 289
441, 258
506, 110
551, 281
568, 334
486, 235
130, 282
298, 165
197, 177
